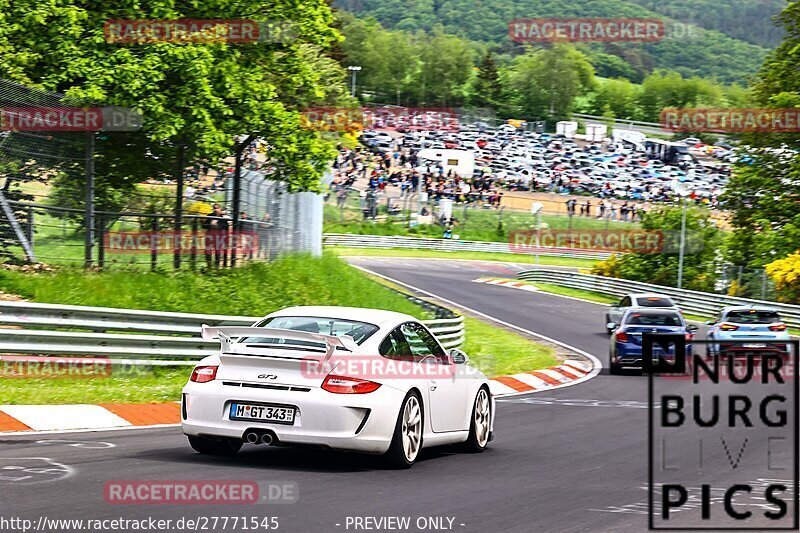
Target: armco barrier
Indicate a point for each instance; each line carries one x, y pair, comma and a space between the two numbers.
446, 245
136, 335
701, 303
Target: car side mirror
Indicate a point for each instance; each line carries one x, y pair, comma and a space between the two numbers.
709, 322
458, 357
611, 325
692, 328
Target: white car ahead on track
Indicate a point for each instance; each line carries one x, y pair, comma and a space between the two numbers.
355, 379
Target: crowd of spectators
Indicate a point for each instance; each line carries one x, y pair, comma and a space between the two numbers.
400, 174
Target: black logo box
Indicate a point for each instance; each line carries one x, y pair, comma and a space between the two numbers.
679, 367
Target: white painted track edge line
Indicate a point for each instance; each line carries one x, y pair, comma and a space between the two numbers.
596, 364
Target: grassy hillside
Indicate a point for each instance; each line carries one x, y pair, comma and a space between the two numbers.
254, 290
721, 49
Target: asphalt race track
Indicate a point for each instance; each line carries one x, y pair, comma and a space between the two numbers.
573, 459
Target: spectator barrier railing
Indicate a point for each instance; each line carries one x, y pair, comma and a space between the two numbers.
448, 245
701, 303
136, 336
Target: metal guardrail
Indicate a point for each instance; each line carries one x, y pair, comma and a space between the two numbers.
447, 245
648, 128
140, 337
701, 303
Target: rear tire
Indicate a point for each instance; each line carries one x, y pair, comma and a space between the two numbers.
613, 368
221, 446
407, 436
480, 423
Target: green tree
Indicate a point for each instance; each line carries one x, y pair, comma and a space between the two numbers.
763, 198
486, 90
703, 240
618, 96
669, 89
763, 195
447, 63
547, 82
388, 59
201, 96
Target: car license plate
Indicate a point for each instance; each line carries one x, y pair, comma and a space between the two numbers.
754, 345
279, 414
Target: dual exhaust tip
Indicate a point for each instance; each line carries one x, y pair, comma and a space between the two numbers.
255, 437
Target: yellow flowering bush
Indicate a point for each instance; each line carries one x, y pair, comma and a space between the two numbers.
786, 275
199, 209
609, 268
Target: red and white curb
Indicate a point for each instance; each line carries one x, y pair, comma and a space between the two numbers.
567, 373
507, 283
15, 418
55, 418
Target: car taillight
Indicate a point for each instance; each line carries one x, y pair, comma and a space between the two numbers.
621, 337
345, 385
728, 327
689, 336
204, 374
778, 327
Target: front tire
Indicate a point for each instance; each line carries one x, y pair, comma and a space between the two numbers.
407, 437
480, 423
209, 446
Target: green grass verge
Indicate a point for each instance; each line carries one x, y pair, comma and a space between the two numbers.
499, 352
478, 256
575, 293
147, 385
253, 290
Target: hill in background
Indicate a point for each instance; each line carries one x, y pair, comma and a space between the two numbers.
730, 45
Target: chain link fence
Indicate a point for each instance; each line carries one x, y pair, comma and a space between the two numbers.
368, 212
66, 199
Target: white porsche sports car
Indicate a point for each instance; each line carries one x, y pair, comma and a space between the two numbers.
356, 379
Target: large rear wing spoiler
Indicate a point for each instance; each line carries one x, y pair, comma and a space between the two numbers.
226, 335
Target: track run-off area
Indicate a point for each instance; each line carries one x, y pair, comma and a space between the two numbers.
571, 459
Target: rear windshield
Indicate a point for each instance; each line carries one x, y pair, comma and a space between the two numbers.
360, 331
752, 316
654, 319
654, 301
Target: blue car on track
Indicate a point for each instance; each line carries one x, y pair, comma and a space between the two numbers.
626, 340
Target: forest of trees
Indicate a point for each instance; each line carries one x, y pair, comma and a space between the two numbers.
439, 69
731, 42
